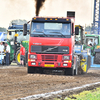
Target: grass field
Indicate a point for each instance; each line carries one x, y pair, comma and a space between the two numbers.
85, 95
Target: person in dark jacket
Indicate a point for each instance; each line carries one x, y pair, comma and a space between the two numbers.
7, 54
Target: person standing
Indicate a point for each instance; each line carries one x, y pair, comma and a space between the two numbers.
22, 54
7, 54
65, 30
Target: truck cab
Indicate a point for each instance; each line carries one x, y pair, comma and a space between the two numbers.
51, 44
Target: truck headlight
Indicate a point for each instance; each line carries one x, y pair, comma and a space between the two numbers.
33, 56
66, 57
64, 64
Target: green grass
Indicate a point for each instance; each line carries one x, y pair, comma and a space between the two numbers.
85, 95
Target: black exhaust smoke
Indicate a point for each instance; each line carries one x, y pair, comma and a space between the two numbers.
39, 4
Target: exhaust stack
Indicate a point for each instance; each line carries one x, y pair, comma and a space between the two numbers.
71, 14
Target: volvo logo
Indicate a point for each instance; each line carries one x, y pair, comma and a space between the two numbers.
37, 43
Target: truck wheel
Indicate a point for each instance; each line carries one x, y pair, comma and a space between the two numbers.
97, 58
31, 69
17, 57
69, 71
41, 70
72, 71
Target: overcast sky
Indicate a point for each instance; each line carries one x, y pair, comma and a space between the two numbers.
25, 9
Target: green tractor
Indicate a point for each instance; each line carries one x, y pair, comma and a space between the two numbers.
14, 38
94, 48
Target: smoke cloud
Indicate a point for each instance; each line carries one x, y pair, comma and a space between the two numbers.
39, 4
26, 9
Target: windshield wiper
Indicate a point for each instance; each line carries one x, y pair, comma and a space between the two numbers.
41, 32
59, 33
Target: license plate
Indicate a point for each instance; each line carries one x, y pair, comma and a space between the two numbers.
48, 65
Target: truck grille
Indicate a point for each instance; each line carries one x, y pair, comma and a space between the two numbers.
49, 57
50, 49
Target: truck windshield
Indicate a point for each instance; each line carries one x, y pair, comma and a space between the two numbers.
51, 29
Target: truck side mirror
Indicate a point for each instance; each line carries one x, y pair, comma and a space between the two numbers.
76, 30
25, 29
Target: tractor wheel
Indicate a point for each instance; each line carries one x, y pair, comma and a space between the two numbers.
17, 57
97, 58
31, 70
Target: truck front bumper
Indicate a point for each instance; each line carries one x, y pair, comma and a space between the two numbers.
50, 64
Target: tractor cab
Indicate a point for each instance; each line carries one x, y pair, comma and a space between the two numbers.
91, 42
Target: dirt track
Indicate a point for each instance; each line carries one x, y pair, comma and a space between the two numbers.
16, 83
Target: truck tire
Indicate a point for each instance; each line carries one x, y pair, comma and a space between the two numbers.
31, 70
72, 71
69, 71
17, 57
97, 58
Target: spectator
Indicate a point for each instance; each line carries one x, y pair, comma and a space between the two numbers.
22, 54
1, 47
38, 28
7, 54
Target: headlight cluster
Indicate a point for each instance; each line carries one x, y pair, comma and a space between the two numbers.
33, 56
66, 57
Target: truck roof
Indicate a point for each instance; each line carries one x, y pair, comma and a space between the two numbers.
51, 19
92, 35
